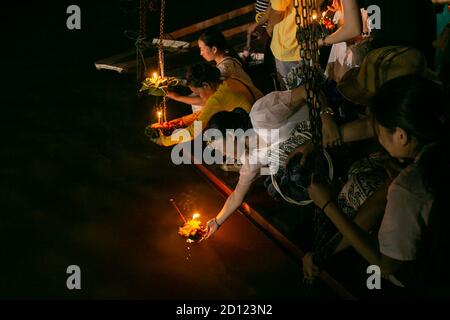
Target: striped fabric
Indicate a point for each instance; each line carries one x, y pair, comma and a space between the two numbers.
262, 5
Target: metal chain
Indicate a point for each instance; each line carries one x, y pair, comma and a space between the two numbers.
308, 34
143, 18
140, 63
161, 38
161, 54
152, 5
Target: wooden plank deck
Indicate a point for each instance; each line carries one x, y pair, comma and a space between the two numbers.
249, 210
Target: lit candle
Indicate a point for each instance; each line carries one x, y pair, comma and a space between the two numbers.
159, 116
155, 76
193, 230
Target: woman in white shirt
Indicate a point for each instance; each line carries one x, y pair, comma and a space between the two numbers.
413, 247
279, 111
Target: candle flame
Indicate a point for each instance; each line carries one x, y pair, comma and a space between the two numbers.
155, 75
193, 230
159, 113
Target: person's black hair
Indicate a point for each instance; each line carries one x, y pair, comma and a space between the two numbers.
201, 73
420, 107
325, 4
413, 103
237, 119
212, 37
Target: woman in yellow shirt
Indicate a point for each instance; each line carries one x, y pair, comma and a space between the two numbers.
215, 48
217, 95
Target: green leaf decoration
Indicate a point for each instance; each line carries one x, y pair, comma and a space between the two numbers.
158, 86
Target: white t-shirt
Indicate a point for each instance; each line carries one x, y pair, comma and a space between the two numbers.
406, 215
273, 111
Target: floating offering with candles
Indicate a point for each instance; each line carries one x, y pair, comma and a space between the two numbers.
193, 230
157, 85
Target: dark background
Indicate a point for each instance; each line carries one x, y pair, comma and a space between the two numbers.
80, 183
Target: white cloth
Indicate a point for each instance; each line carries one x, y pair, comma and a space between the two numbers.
195, 108
338, 50
406, 215
274, 111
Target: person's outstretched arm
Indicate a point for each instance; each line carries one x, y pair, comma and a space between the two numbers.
370, 213
192, 100
234, 201
276, 14
358, 130
352, 26
358, 238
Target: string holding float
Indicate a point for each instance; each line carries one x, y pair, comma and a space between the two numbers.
172, 201
158, 84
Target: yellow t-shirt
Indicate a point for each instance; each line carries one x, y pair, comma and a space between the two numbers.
247, 89
226, 98
284, 39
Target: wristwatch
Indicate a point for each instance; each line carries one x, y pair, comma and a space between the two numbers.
328, 111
